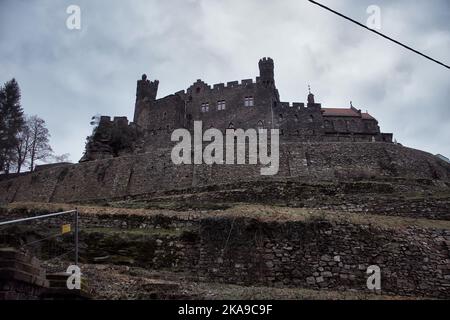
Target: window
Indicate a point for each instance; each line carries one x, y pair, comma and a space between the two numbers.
164, 115
231, 125
260, 125
328, 124
221, 105
205, 107
248, 102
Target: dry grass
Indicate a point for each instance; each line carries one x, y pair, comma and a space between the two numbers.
232, 292
263, 213
120, 282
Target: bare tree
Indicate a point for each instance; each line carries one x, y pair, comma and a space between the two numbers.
39, 143
23, 146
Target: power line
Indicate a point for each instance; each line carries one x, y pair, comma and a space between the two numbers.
379, 33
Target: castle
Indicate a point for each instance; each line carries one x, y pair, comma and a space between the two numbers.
246, 104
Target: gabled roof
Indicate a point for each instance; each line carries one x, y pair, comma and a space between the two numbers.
367, 116
344, 112
339, 112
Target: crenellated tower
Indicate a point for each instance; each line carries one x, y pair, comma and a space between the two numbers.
266, 72
146, 93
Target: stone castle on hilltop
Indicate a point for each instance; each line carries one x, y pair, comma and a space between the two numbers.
246, 104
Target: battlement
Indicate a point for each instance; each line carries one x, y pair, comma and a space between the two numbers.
146, 89
116, 121
266, 61
266, 66
105, 120
266, 72
121, 121
201, 87
232, 84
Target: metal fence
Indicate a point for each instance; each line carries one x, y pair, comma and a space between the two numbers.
47, 237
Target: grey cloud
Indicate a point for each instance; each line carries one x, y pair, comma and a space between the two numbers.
68, 76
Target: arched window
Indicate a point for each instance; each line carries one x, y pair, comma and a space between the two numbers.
231, 125
260, 125
296, 118
311, 118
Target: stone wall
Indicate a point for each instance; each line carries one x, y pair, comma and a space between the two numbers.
315, 252
21, 276
154, 172
328, 255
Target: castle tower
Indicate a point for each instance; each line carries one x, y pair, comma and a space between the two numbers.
266, 72
146, 92
311, 100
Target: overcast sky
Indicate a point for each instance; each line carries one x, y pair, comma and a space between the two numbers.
67, 76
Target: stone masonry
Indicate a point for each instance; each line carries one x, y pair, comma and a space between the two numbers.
248, 104
154, 172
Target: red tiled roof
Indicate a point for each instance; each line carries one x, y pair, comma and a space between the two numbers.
343, 112
339, 112
367, 116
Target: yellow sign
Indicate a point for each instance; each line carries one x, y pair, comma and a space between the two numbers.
65, 228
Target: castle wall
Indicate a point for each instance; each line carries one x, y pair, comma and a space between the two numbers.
324, 255
226, 106
351, 125
166, 114
236, 114
154, 172
299, 123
